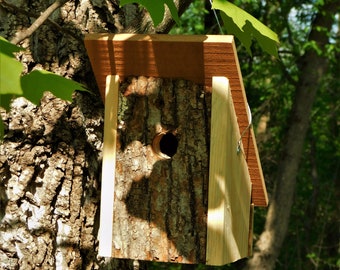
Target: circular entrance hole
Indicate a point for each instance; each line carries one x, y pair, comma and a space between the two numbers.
165, 144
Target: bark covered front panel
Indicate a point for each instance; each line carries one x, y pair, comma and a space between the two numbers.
160, 205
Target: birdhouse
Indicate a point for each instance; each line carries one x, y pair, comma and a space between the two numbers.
181, 171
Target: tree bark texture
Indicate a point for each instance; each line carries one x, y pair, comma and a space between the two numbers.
313, 66
49, 173
161, 203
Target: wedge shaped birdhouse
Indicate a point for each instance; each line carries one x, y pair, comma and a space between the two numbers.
181, 172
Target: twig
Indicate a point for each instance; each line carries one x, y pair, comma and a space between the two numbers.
15, 10
20, 36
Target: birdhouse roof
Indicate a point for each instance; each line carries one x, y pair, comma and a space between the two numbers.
195, 58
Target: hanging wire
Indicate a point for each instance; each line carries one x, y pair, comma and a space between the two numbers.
216, 17
239, 142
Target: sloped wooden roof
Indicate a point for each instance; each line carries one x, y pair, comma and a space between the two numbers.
195, 58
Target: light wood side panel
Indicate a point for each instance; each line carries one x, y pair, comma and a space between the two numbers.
109, 165
229, 195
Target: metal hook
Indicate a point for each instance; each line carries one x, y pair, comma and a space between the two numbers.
238, 149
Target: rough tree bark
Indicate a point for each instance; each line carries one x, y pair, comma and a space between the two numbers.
51, 155
312, 67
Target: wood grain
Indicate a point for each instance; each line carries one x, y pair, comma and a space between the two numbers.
229, 183
109, 166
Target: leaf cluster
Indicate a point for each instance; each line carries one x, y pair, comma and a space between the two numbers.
32, 85
236, 21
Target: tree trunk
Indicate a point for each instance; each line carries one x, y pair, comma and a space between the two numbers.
49, 172
313, 66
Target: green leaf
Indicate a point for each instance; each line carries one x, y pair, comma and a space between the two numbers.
8, 48
5, 100
37, 82
245, 27
10, 69
156, 8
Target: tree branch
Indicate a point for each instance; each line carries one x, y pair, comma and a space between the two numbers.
15, 10
168, 22
142, 22
20, 36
